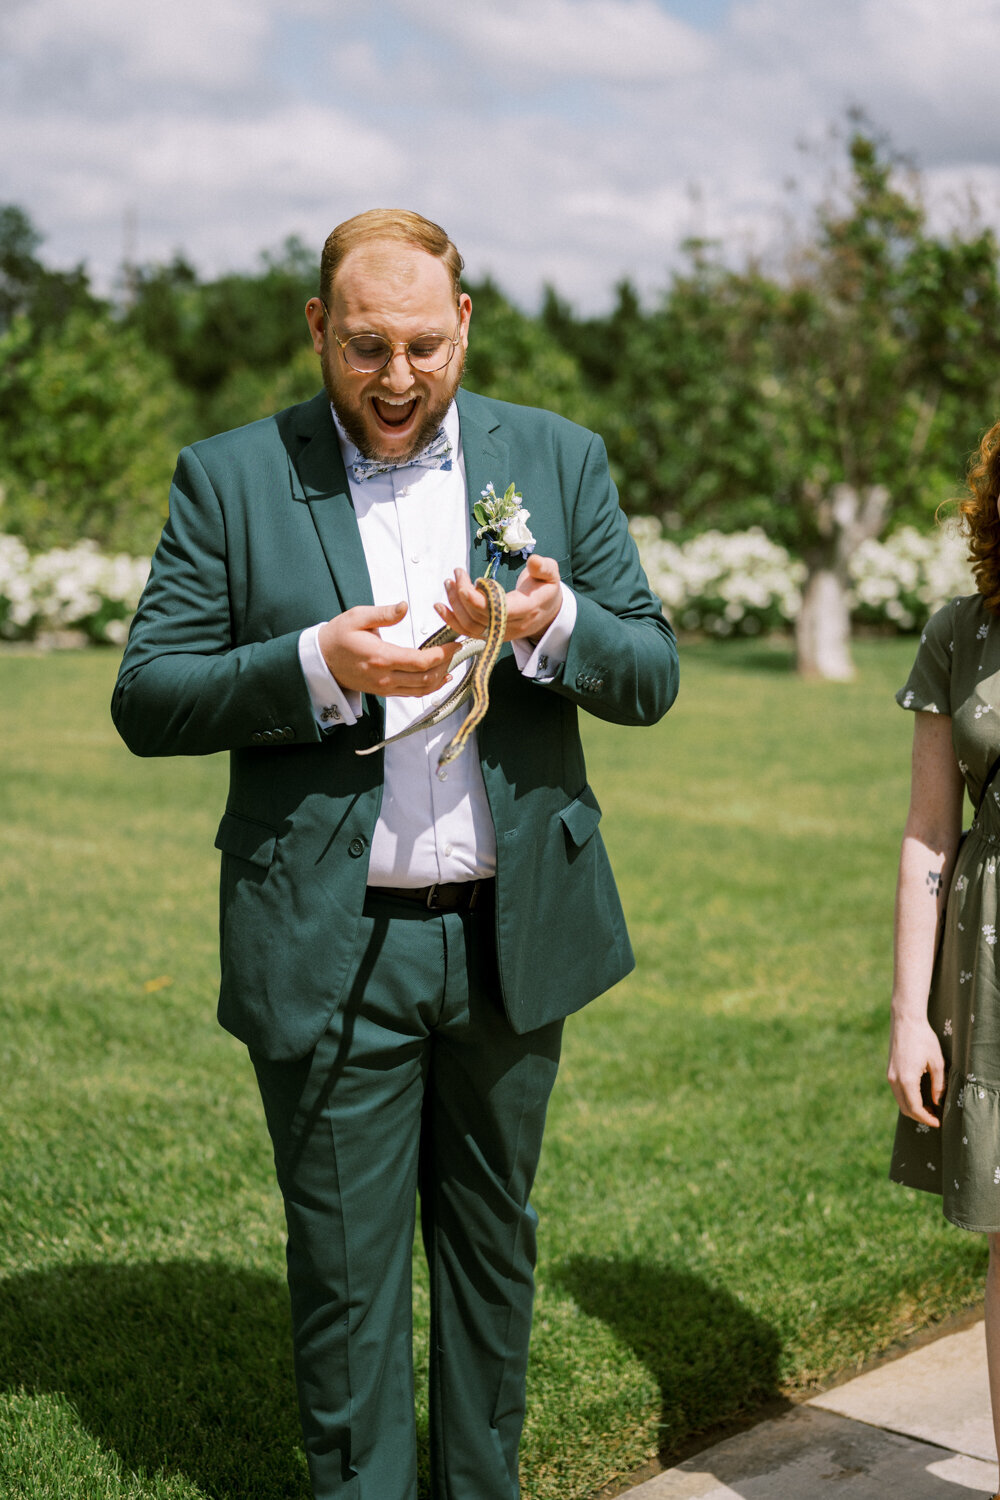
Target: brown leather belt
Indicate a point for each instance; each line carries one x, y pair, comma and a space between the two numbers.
456, 895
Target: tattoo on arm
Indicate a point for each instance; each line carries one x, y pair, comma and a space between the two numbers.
934, 882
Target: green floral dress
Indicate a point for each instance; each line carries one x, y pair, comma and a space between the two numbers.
957, 672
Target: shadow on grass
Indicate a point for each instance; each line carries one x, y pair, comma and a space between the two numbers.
713, 1361
180, 1368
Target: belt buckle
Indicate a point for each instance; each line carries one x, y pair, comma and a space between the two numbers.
431, 901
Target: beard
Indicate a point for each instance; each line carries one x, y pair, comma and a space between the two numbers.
356, 419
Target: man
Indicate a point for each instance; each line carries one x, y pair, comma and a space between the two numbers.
399, 951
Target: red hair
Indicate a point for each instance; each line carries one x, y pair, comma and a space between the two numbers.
981, 517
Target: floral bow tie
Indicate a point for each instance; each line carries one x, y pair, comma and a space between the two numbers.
437, 455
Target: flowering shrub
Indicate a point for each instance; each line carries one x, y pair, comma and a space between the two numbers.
723, 584
742, 583
69, 588
736, 584
904, 579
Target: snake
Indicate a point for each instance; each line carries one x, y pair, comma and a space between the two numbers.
475, 684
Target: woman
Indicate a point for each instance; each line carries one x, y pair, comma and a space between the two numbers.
944, 1058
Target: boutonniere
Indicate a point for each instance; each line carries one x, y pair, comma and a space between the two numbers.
502, 521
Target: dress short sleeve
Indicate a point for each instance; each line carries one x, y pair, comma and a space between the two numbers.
928, 687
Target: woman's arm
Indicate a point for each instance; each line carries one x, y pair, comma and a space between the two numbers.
930, 840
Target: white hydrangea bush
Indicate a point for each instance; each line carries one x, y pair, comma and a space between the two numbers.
68, 589
904, 579
742, 583
736, 584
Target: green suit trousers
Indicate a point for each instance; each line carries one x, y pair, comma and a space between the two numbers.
419, 1084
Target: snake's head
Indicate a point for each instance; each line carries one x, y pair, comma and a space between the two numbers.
448, 754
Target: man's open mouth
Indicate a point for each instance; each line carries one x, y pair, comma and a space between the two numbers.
393, 414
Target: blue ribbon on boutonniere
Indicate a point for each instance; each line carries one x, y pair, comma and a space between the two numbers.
503, 522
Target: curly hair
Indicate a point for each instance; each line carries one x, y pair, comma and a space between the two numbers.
981, 517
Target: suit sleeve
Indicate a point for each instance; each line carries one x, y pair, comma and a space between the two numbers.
186, 686
622, 659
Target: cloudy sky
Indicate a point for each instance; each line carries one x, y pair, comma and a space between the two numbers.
574, 141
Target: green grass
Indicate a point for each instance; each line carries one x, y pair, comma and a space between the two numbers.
716, 1224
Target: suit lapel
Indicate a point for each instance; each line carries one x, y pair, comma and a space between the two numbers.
487, 458
319, 479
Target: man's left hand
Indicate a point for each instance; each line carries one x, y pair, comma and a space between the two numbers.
531, 606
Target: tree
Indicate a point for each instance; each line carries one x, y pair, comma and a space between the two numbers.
87, 434
241, 324
883, 334
825, 401
26, 286
513, 357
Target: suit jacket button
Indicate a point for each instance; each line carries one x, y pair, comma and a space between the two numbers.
356, 848
268, 736
288, 733
256, 739
598, 684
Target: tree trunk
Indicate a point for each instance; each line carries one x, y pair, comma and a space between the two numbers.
823, 628
845, 517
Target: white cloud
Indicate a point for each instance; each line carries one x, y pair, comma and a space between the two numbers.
569, 140
622, 41
200, 44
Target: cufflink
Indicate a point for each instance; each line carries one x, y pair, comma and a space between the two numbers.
330, 714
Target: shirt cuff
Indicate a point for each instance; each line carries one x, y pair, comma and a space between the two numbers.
544, 661
331, 703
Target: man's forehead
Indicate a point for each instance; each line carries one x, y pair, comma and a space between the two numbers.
386, 273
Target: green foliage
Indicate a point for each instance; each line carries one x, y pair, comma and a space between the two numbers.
26, 286
249, 394
742, 398
241, 326
716, 1223
86, 444
512, 357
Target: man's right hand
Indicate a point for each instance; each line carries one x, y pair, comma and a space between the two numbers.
363, 662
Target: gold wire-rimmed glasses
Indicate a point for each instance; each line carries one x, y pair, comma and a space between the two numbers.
367, 353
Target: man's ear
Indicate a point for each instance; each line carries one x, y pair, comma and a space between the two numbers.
316, 318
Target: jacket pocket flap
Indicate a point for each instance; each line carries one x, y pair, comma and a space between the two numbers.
581, 817
246, 839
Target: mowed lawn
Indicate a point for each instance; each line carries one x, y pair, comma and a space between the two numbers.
716, 1224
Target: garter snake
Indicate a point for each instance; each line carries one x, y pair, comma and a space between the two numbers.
475, 684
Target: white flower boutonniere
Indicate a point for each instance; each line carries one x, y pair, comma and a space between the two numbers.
503, 521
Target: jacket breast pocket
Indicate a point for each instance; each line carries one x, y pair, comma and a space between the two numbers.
247, 839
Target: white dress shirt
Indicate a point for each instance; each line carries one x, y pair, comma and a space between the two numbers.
415, 531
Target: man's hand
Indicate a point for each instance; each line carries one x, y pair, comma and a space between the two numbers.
531, 606
913, 1051
363, 662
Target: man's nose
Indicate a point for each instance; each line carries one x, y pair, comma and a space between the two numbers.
397, 373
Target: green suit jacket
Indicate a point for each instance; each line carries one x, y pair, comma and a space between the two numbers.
260, 543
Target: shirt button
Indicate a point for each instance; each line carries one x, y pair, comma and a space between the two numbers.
414, 557
405, 490
448, 849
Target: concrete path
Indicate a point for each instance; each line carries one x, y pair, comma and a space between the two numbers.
918, 1428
